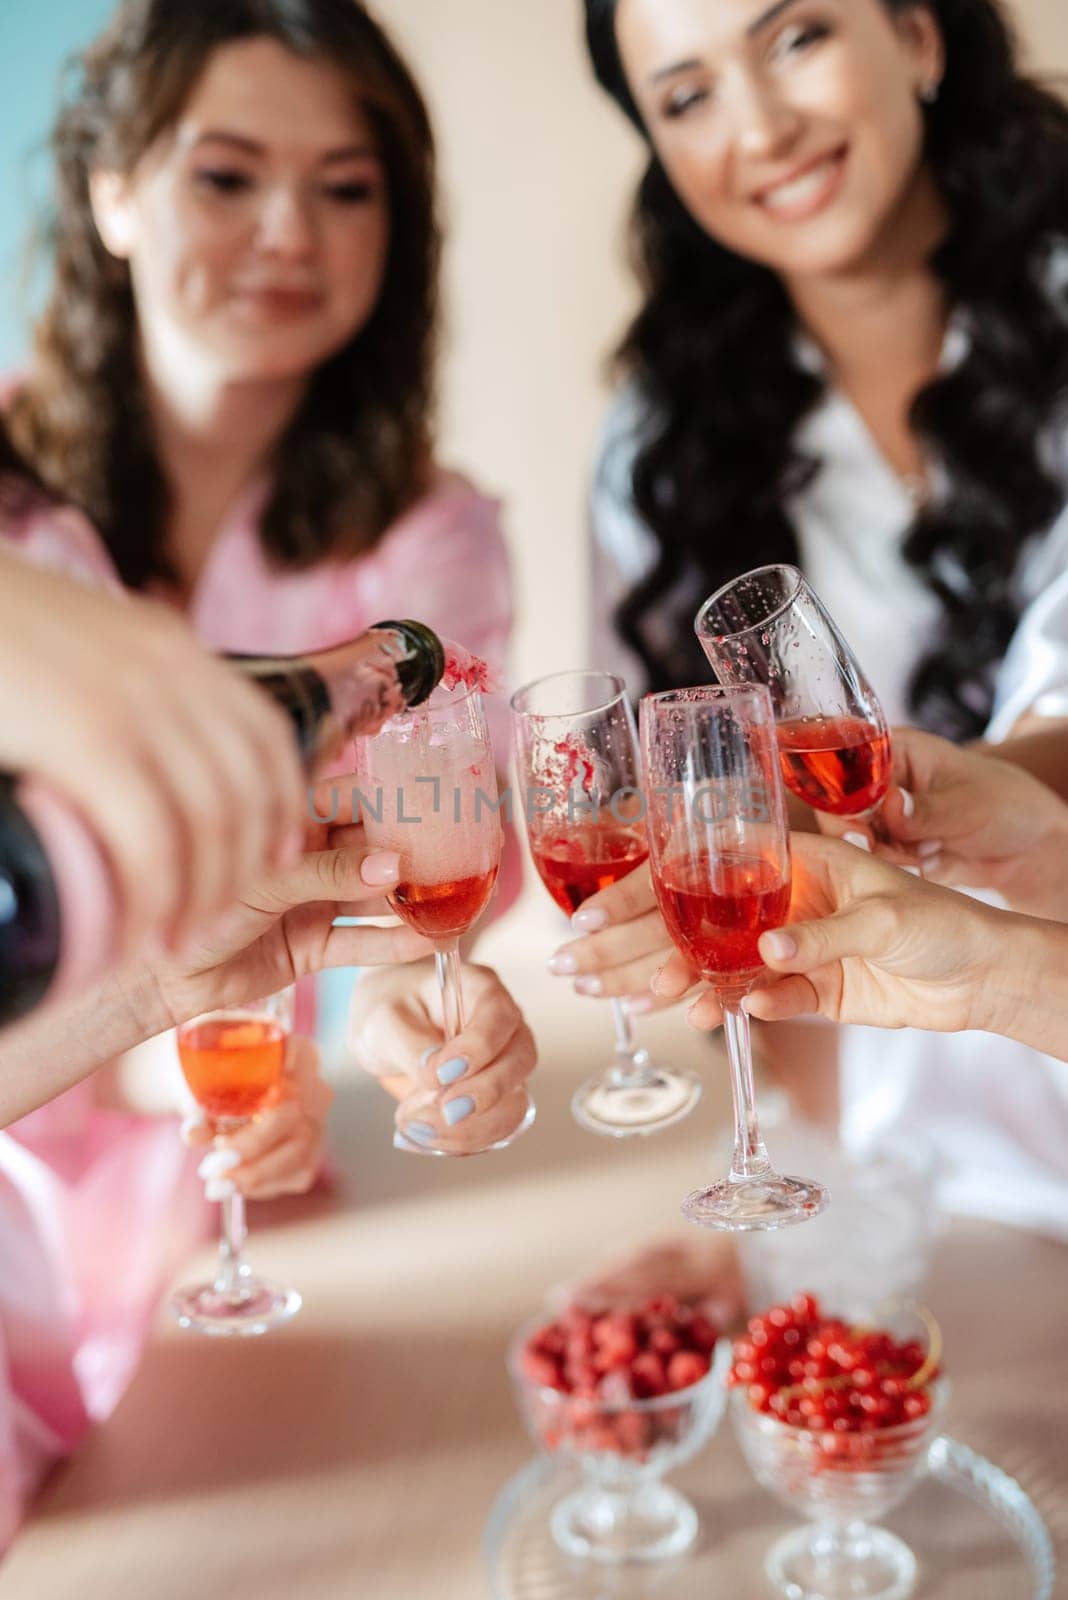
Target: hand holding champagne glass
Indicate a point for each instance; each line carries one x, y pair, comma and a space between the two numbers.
429, 791
577, 760
720, 855
769, 627
233, 1062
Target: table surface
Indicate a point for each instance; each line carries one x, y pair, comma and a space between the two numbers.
359, 1450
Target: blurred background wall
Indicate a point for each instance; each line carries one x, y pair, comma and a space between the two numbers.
538, 168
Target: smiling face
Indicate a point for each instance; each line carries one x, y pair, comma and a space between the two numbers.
792, 132
257, 226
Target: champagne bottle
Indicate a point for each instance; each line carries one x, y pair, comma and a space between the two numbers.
333, 695
59, 910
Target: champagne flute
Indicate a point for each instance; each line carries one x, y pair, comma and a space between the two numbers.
720, 853
769, 627
233, 1062
429, 791
577, 758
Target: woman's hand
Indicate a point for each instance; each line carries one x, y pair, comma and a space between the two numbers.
625, 943
280, 1150
464, 1093
187, 774
971, 820
867, 943
282, 930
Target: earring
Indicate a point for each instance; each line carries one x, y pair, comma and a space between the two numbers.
929, 93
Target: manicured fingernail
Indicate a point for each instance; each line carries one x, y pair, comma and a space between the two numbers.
409, 1149
219, 1189
424, 1059
746, 1005
420, 1132
217, 1163
589, 986
930, 847
636, 1005
908, 802
780, 945
450, 1071
455, 1111
563, 964
590, 921
913, 872
858, 840
654, 981
380, 868
931, 864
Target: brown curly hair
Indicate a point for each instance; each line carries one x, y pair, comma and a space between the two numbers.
357, 453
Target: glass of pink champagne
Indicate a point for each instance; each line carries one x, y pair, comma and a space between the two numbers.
428, 790
577, 761
769, 627
720, 855
233, 1062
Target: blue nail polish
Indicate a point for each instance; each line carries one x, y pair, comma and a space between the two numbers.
421, 1132
408, 1147
450, 1071
456, 1110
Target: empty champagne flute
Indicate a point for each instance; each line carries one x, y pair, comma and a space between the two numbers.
720, 854
233, 1062
769, 627
428, 790
578, 767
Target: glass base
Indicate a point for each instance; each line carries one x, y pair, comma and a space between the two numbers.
858, 1564
749, 1205
623, 1106
256, 1308
652, 1524
409, 1146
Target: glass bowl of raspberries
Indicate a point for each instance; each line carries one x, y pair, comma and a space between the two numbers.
836, 1420
624, 1396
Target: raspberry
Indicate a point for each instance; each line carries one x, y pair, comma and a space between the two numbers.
685, 1368
542, 1370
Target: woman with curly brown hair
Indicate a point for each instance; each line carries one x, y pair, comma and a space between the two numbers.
234, 375
233, 382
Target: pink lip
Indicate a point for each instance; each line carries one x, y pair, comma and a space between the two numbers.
818, 201
281, 301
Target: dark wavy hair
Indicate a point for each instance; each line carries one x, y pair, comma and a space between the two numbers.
358, 451
712, 352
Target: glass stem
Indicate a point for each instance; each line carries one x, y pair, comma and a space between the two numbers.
836, 1546
452, 997
750, 1159
232, 1269
632, 1062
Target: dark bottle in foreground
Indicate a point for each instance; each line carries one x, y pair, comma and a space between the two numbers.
59, 910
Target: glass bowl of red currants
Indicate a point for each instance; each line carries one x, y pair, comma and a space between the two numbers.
624, 1396
836, 1421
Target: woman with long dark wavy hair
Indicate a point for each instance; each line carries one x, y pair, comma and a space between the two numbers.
852, 354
